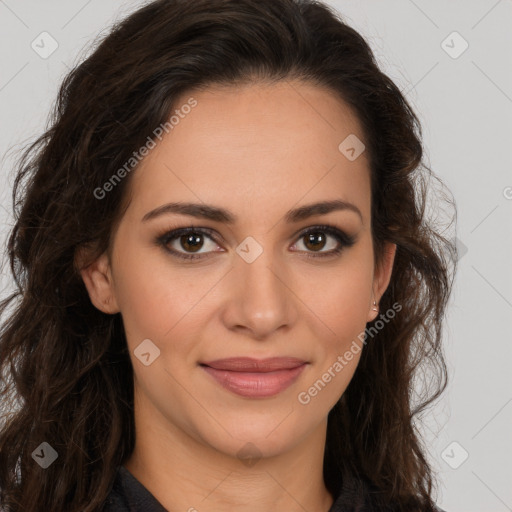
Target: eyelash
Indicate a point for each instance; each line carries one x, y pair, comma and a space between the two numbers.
343, 239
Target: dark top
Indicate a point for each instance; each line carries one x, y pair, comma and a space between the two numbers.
129, 495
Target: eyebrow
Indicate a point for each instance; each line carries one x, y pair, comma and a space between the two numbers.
215, 213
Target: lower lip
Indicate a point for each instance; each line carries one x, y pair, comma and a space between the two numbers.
256, 384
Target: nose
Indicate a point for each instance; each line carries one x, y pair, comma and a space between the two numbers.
261, 299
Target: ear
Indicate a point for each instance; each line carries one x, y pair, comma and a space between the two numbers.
381, 278
97, 277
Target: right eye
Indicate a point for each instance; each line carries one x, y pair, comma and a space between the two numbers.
187, 239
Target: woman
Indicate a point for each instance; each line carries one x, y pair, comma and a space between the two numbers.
226, 277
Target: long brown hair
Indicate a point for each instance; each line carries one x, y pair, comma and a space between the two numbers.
67, 378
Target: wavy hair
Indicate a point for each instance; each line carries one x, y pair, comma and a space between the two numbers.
67, 377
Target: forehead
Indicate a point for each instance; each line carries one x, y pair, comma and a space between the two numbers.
260, 146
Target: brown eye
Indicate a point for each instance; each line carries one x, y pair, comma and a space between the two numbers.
315, 241
191, 242
187, 242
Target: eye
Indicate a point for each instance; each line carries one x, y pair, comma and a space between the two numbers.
188, 239
188, 242
315, 239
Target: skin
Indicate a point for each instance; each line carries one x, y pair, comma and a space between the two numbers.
257, 150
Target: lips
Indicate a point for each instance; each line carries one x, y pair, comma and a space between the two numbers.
248, 364
253, 378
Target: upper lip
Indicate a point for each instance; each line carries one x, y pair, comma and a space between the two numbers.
249, 364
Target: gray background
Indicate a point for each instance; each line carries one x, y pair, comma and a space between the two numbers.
465, 106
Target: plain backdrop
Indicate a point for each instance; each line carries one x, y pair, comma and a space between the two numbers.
452, 61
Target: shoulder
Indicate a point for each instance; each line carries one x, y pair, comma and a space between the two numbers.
130, 495
360, 495
116, 500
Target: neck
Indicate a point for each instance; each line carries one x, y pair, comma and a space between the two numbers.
184, 473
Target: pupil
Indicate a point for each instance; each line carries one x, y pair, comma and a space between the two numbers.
311, 240
193, 241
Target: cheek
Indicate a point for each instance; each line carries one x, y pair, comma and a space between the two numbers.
144, 292
339, 297
158, 298
339, 301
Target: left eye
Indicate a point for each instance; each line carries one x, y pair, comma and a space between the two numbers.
313, 239
316, 240
318, 235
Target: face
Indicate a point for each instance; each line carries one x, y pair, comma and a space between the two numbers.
258, 276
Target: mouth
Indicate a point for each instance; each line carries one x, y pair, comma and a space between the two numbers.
255, 378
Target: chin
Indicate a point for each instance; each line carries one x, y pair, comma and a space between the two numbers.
249, 437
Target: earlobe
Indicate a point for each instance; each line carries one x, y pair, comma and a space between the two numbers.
382, 278
98, 281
